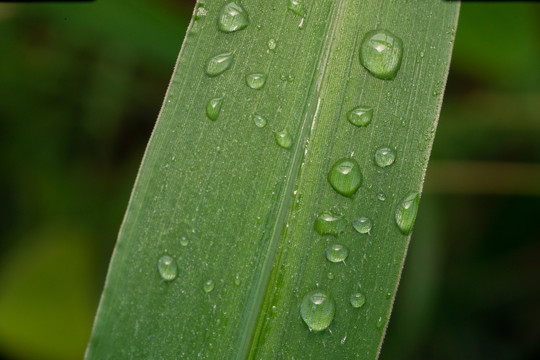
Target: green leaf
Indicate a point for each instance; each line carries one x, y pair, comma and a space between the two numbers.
235, 199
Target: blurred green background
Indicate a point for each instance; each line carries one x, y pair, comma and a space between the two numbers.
80, 89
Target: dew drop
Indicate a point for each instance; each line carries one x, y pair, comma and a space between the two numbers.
237, 279
213, 108
232, 17
328, 223
219, 64
256, 81
384, 157
259, 121
345, 177
379, 322
363, 225
283, 138
272, 44
208, 286
317, 310
360, 116
330, 276
381, 196
357, 300
336, 253
297, 7
381, 53
167, 268
406, 212
184, 241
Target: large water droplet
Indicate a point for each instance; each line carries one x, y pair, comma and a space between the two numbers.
256, 81
317, 310
297, 7
259, 121
406, 212
213, 108
357, 300
336, 253
345, 177
363, 225
360, 116
283, 138
328, 223
219, 64
232, 17
167, 268
381, 53
208, 286
384, 157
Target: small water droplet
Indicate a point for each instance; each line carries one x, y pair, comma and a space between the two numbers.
388, 295
363, 225
290, 78
213, 108
317, 310
336, 253
167, 268
405, 214
232, 17
297, 7
256, 81
379, 322
345, 177
384, 157
184, 241
381, 53
208, 286
272, 44
381, 196
330, 276
259, 121
422, 54
200, 13
237, 279
283, 138
328, 223
357, 300
219, 64
360, 116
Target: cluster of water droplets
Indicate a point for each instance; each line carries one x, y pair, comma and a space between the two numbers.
380, 54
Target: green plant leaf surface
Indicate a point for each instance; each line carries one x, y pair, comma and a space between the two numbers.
230, 205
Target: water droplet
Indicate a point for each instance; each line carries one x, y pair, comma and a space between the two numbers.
328, 223
213, 108
208, 286
237, 279
219, 64
379, 322
297, 7
384, 157
272, 44
357, 300
283, 138
406, 212
200, 13
345, 177
317, 310
256, 81
363, 225
336, 253
167, 268
388, 295
330, 276
259, 121
381, 53
360, 116
184, 241
381, 196
232, 17
422, 54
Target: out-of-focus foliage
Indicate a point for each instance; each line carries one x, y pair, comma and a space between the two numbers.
81, 89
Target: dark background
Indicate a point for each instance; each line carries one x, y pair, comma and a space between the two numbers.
80, 89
